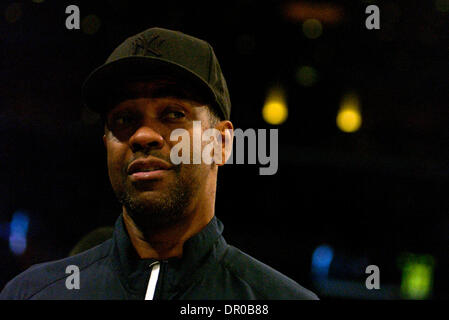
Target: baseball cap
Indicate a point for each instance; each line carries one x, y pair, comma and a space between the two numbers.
156, 52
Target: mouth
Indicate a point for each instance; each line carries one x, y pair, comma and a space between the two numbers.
148, 175
147, 169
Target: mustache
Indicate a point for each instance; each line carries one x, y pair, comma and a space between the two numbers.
151, 154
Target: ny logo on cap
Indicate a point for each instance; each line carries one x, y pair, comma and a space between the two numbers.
142, 46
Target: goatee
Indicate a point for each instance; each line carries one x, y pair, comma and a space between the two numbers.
157, 213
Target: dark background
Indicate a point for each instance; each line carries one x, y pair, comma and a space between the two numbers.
371, 195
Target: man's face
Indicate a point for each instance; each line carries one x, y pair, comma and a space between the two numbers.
137, 138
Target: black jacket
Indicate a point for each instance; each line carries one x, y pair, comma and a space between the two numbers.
208, 269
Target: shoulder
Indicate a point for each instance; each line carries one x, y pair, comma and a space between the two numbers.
40, 276
265, 281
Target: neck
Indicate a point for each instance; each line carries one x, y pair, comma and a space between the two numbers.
164, 243
168, 242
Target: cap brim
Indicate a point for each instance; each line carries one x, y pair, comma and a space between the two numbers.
102, 80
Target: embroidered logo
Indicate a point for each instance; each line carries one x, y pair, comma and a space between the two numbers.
142, 46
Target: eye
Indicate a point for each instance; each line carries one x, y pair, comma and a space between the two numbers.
174, 114
122, 120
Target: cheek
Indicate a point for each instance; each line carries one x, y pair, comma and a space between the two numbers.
116, 159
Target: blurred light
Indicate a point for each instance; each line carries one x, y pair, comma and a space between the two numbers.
275, 109
325, 12
312, 28
442, 5
13, 12
17, 232
307, 76
349, 118
321, 260
417, 276
90, 24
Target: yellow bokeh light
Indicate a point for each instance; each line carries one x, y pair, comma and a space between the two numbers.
349, 118
275, 110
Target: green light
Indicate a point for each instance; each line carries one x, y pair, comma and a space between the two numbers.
417, 276
312, 28
442, 5
307, 76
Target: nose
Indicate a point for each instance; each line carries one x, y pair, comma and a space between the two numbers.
145, 139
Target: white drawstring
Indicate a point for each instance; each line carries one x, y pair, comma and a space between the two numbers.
153, 280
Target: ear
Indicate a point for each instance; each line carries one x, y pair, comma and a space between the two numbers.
226, 130
104, 140
106, 132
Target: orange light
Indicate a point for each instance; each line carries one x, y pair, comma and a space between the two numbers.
325, 12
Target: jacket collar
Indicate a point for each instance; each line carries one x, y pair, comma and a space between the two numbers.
134, 271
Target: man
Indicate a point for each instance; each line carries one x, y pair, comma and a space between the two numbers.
167, 242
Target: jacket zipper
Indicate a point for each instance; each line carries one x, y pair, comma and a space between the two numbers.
152, 282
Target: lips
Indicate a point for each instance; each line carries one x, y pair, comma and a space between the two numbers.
147, 169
